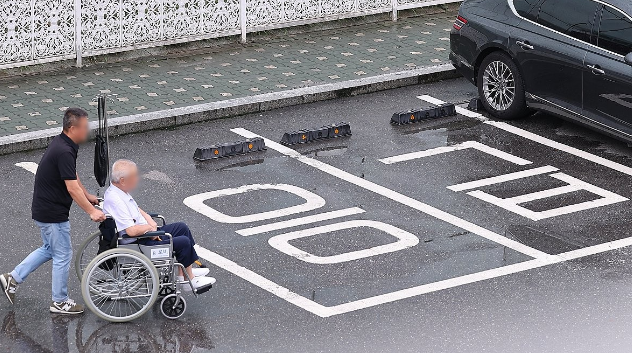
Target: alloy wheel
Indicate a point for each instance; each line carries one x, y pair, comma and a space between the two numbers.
499, 85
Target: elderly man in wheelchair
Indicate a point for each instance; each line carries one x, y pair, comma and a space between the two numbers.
133, 223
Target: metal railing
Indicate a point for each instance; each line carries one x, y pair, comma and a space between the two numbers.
40, 31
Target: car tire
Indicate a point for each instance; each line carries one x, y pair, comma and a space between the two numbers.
501, 88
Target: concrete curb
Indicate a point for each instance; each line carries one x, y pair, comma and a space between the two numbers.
240, 106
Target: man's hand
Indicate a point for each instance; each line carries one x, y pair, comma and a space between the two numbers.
97, 216
93, 199
78, 193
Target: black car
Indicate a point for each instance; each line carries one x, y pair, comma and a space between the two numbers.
572, 58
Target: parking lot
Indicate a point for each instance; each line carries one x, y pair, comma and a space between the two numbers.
460, 234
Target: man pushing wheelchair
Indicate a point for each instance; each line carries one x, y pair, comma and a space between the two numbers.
125, 279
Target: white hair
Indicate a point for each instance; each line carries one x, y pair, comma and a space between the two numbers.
121, 169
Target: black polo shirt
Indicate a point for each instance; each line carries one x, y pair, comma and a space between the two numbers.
51, 199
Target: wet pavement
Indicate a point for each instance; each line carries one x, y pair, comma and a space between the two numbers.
451, 250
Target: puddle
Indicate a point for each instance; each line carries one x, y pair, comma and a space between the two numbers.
242, 163
548, 242
327, 151
434, 137
455, 123
252, 165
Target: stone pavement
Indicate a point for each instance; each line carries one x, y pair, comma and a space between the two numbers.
271, 64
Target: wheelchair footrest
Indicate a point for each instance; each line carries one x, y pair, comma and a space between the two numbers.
203, 289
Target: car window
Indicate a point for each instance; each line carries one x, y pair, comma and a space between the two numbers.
527, 8
571, 17
615, 32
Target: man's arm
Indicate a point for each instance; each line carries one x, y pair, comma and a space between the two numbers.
91, 198
139, 229
149, 220
77, 193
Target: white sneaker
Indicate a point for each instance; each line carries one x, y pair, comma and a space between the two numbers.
197, 282
201, 271
68, 307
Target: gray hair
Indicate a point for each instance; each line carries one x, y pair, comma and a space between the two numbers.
72, 116
121, 169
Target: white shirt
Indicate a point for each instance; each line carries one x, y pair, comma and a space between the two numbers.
122, 207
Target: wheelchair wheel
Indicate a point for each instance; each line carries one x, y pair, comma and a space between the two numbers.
86, 252
120, 285
173, 307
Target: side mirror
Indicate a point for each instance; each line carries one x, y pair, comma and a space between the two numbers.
628, 59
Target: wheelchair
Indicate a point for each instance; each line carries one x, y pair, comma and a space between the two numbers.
123, 283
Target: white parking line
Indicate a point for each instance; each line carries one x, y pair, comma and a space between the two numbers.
462, 111
461, 146
29, 166
537, 138
300, 221
502, 178
562, 147
397, 197
264, 283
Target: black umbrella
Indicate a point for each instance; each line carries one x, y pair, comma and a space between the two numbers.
101, 148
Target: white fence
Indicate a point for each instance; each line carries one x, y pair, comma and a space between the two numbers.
39, 31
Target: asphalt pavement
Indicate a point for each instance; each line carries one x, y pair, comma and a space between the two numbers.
460, 234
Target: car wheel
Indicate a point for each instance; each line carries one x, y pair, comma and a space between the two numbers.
501, 88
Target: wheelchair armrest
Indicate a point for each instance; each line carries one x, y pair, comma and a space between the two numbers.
158, 216
159, 233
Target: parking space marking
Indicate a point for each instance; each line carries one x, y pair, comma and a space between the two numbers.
502, 178
537, 138
264, 283
562, 147
29, 166
480, 276
324, 311
513, 204
461, 146
397, 197
404, 240
196, 202
300, 221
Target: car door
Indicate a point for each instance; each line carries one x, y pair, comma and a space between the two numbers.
550, 45
608, 78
